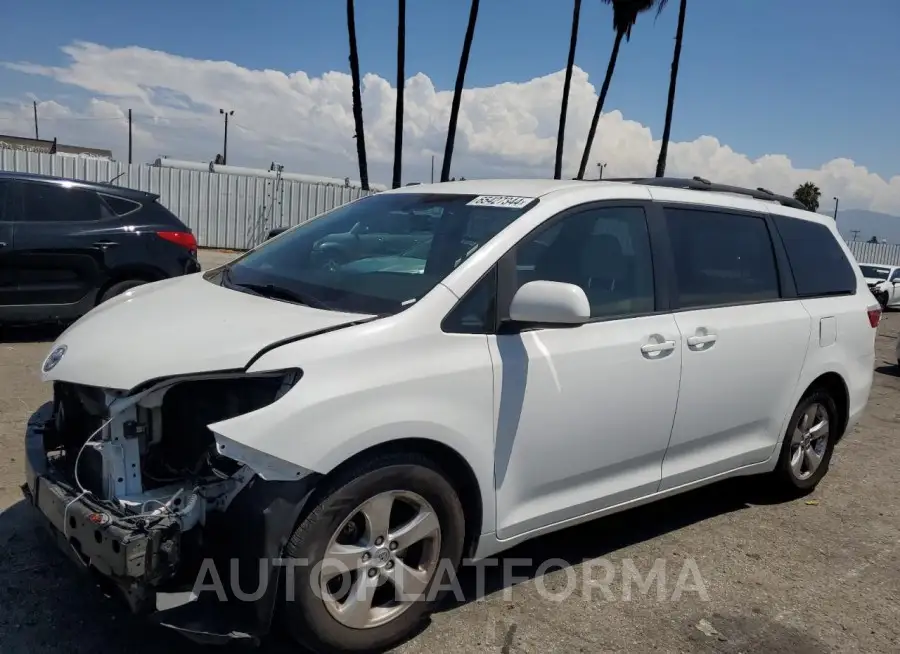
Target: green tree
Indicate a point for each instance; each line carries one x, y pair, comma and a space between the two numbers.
567, 85
625, 13
808, 194
457, 91
673, 80
357, 98
401, 84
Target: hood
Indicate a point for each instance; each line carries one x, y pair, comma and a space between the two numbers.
179, 326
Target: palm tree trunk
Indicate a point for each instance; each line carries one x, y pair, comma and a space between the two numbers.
564, 108
357, 99
670, 106
610, 69
457, 91
401, 82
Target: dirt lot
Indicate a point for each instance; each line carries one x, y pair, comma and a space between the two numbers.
814, 575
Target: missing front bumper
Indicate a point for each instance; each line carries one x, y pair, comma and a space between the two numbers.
145, 564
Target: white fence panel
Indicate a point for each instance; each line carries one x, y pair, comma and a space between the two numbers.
223, 210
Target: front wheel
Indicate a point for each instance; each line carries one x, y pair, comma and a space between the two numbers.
370, 553
808, 444
120, 287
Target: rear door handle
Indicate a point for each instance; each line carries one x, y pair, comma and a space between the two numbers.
105, 244
2, 244
665, 346
695, 341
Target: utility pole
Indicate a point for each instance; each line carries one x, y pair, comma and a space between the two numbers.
855, 233
34, 104
225, 145
432, 169
836, 202
600, 166
129, 137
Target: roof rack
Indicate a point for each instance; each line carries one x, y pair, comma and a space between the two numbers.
701, 184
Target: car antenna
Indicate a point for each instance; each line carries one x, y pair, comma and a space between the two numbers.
116, 177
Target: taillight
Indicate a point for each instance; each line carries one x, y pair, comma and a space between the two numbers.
184, 239
874, 316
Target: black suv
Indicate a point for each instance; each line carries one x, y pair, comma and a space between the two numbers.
66, 245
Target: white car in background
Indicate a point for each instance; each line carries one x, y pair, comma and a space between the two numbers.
549, 352
884, 282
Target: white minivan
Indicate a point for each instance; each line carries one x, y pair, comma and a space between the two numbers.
327, 425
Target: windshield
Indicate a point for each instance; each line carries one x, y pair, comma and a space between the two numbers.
376, 255
875, 272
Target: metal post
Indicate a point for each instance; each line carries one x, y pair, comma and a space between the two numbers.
36, 137
129, 137
225, 144
836, 202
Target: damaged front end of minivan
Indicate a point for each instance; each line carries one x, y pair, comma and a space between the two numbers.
137, 488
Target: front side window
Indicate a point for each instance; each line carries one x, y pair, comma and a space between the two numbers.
605, 251
874, 272
721, 258
895, 276
377, 255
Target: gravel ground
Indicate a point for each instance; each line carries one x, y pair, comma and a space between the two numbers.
821, 574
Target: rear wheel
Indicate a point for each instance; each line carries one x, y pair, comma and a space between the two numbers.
118, 288
808, 444
369, 554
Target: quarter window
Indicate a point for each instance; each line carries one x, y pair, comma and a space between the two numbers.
817, 260
721, 258
605, 251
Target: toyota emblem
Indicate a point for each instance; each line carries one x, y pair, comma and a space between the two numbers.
54, 358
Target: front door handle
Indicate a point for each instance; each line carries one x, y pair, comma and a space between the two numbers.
2, 244
697, 341
104, 244
665, 346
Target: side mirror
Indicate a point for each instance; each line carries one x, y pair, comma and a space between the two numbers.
552, 303
275, 232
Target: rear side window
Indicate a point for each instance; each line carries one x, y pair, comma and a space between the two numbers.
817, 260
52, 203
120, 206
721, 258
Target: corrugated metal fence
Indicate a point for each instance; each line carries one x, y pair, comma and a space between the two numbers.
883, 253
224, 211
236, 211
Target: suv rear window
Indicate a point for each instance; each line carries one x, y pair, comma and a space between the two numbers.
817, 260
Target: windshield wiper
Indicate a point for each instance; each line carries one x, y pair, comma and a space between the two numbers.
281, 293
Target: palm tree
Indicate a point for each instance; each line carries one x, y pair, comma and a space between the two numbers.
357, 99
808, 194
625, 13
673, 80
457, 91
401, 82
564, 108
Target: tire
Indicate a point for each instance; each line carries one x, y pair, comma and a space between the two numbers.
323, 622
118, 288
789, 478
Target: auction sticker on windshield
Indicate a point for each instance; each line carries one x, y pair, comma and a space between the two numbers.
503, 201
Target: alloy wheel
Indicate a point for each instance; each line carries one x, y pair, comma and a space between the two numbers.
380, 560
809, 441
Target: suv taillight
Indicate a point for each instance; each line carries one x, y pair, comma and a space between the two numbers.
184, 239
874, 316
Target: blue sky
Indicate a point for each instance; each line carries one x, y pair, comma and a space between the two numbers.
806, 78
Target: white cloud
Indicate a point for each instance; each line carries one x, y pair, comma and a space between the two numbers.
307, 124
